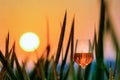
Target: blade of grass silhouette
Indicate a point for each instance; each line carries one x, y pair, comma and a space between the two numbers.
6, 55
37, 72
72, 45
64, 61
2, 72
48, 42
72, 39
96, 51
7, 66
9, 54
19, 70
72, 74
7, 45
39, 67
61, 40
66, 54
12, 60
48, 51
62, 46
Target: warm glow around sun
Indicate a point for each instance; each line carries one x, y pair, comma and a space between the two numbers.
29, 41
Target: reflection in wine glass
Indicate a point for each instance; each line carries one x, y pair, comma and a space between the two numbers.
83, 55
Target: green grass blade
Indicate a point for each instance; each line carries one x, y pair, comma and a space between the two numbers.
119, 76
72, 72
71, 75
32, 74
64, 61
110, 28
67, 74
87, 71
117, 62
100, 57
101, 32
52, 70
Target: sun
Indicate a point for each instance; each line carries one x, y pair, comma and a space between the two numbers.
29, 41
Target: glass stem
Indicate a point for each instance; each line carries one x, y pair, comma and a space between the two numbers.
83, 73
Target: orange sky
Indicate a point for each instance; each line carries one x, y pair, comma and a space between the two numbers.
19, 16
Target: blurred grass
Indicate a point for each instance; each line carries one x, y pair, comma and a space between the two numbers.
46, 67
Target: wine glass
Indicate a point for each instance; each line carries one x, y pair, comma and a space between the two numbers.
83, 54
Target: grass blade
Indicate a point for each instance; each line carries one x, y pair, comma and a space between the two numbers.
66, 53
47, 61
24, 71
100, 57
7, 66
101, 32
32, 74
61, 40
72, 39
2, 72
71, 72
20, 73
48, 52
7, 46
12, 61
40, 70
52, 71
67, 73
110, 28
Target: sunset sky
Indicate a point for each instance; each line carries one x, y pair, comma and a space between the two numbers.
20, 16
